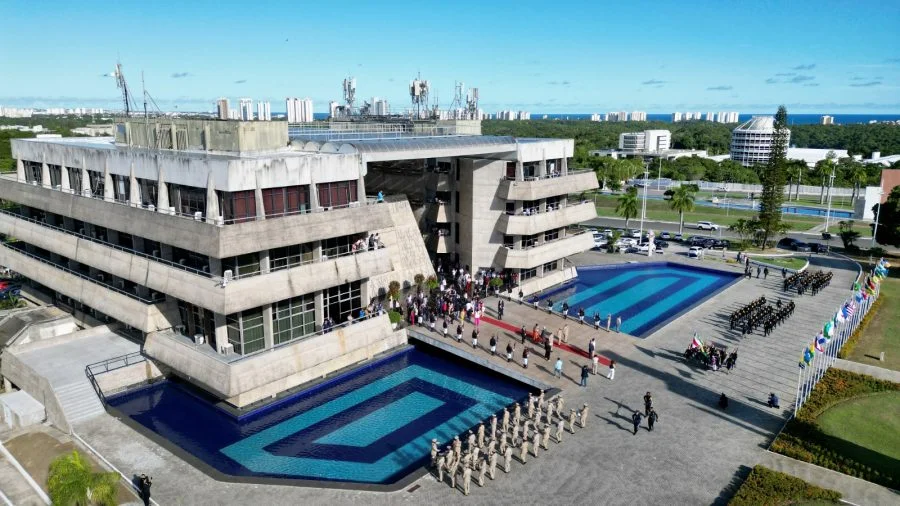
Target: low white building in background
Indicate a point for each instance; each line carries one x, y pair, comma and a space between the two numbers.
95, 130
813, 155
827, 120
648, 140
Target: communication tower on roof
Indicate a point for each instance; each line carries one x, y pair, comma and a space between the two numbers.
127, 99
349, 92
458, 96
418, 93
472, 103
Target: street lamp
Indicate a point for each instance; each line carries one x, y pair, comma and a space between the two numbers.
659, 174
828, 211
644, 205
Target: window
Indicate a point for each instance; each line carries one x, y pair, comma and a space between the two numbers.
242, 265
511, 170
525, 274
508, 241
341, 301
289, 256
197, 320
286, 200
192, 200
337, 194
121, 187
444, 167
74, 179
55, 175
531, 206
510, 208
529, 240
245, 331
551, 235
239, 206
293, 318
149, 189
337, 246
550, 266
97, 183
33, 172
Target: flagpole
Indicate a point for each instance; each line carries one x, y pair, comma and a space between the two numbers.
797, 399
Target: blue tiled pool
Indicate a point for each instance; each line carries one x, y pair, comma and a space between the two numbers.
645, 295
372, 426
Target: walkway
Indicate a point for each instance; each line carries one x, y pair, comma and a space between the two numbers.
869, 370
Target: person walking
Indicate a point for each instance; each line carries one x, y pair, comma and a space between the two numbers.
565, 333
612, 370
500, 307
475, 338
592, 346
493, 344
765, 273
636, 420
784, 273
459, 333
509, 351
758, 271
651, 419
618, 324
584, 375
523, 333
525, 357
548, 348
557, 369
648, 404
608, 321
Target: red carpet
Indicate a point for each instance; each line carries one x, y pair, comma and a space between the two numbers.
515, 330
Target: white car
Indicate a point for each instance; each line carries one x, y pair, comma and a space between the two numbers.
707, 225
645, 248
626, 242
599, 240
635, 233
695, 252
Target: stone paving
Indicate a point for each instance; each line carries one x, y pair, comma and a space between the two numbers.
693, 456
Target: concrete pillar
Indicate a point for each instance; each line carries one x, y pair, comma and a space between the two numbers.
20, 170
267, 326
109, 194
361, 189
313, 197
565, 166
206, 136
134, 191
520, 171
539, 270
317, 251
543, 167
45, 174
162, 191
7, 386
221, 336
264, 261
64, 179
212, 201
542, 205
165, 251
85, 179
215, 266
320, 307
258, 198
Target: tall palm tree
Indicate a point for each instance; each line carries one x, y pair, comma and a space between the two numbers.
627, 206
683, 202
72, 482
856, 175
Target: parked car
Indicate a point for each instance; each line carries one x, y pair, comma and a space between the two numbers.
721, 244
665, 235
607, 232
634, 233
678, 237
599, 240
695, 252
707, 225
787, 243
625, 242
818, 247
801, 246
645, 247
661, 244
699, 240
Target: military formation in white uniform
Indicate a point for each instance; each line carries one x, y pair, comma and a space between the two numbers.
513, 435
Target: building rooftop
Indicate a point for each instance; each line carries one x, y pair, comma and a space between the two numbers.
758, 124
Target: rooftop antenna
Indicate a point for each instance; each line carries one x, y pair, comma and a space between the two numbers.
418, 94
349, 92
127, 99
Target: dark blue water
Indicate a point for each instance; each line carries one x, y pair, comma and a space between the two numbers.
374, 425
646, 296
786, 208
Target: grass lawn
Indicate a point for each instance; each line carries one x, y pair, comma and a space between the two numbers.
789, 262
765, 487
883, 331
872, 422
660, 211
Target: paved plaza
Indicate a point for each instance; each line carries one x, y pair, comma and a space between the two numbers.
693, 455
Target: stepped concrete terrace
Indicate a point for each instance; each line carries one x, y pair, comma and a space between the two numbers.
693, 456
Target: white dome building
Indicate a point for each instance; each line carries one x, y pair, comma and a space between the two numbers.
751, 141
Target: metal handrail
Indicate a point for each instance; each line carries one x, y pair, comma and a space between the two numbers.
568, 235
109, 244
83, 276
321, 259
558, 207
125, 360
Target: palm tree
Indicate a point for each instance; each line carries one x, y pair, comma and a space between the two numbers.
683, 202
72, 482
795, 171
628, 204
856, 175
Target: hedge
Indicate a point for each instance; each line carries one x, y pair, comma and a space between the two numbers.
801, 438
770, 488
395, 316
851, 343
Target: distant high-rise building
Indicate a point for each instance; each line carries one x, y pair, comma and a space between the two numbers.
827, 120
246, 108
617, 116
380, 107
263, 111
648, 140
595, 117
709, 117
638, 116
727, 117
222, 108
676, 117
234, 114
332, 109
299, 110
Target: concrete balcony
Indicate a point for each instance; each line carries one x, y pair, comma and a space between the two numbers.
548, 220
144, 316
242, 380
199, 288
439, 213
218, 241
547, 252
548, 187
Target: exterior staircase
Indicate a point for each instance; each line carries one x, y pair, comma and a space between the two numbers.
78, 401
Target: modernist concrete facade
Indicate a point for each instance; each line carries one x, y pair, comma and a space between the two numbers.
751, 141
228, 246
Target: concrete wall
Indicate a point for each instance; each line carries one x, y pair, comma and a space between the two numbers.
529, 225
541, 189
537, 150
539, 255
266, 374
480, 209
408, 253
37, 386
538, 284
134, 374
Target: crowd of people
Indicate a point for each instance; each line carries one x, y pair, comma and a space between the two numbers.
807, 281
759, 314
711, 356
518, 432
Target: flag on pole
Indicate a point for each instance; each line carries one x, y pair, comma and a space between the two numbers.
858, 297
848, 310
820, 343
828, 331
808, 354
697, 343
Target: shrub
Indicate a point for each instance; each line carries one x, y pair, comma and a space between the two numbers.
394, 289
72, 481
851, 343
418, 279
767, 487
432, 282
395, 316
877, 251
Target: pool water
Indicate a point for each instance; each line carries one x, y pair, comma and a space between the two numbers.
645, 295
372, 426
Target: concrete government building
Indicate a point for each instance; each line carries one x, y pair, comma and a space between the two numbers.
225, 245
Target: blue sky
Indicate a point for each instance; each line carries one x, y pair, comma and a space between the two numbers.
577, 57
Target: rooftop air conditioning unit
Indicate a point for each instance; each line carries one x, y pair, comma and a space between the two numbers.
227, 349
199, 339
228, 275
198, 216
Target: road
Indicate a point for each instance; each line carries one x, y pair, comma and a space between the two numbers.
690, 229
